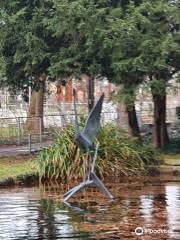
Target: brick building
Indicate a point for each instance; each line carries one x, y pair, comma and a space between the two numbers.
60, 92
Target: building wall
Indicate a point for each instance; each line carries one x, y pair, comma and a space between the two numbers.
144, 103
60, 93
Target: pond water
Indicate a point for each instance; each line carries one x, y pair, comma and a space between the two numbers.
151, 207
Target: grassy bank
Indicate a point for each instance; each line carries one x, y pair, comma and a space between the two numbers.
17, 169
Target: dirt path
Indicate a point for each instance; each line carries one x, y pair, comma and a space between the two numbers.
8, 151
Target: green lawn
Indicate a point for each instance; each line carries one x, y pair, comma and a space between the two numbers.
13, 167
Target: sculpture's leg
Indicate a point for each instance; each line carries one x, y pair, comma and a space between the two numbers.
72, 189
94, 158
89, 167
100, 185
86, 160
76, 189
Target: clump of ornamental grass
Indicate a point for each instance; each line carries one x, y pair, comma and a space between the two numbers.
118, 154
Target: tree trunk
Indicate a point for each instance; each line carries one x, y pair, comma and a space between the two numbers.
39, 108
90, 93
160, 135
31, 113
133, 122
34, 121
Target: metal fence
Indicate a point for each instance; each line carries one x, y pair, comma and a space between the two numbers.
13, 130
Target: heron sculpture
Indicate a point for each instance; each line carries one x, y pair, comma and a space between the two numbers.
85, 141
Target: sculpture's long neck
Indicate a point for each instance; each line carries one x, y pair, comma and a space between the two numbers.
76, 117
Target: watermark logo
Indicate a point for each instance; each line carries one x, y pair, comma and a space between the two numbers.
140, 231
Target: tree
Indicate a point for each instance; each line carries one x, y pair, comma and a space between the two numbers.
2, 60
80, 25
145, 47
26, 47
126, 41
90, 30
123, 38
160, 53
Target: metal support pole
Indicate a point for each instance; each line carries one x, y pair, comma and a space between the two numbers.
94, 158
18, 132
29, 138
29, 89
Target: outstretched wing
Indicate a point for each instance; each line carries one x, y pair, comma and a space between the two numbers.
93, 121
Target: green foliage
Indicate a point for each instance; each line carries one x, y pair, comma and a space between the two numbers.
145, 45
125, 95
118, 155
25, 43
125, 41
158, 86
80, 25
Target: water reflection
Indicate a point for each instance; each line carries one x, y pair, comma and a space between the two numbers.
173, 209
146, 207
23, 218
38, 213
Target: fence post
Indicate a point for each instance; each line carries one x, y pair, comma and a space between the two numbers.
40, 130
18, 132
29, 138
102, 119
